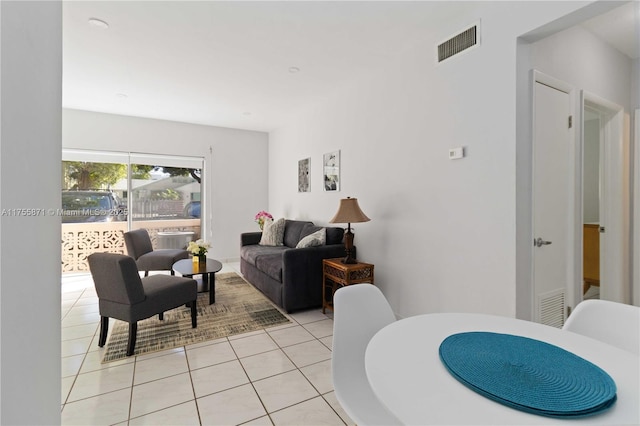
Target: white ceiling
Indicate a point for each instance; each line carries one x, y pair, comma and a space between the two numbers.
227, 63
619, 28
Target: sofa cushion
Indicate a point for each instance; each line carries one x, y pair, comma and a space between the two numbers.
271, 264
252, 252
318, 238
335, 235
273, 233
309, 229
292, 231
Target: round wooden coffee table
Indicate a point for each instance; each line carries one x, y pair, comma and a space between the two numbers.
188, 268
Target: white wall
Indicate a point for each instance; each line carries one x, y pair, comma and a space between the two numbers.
581, 59
442, 234
236, 166
30, 116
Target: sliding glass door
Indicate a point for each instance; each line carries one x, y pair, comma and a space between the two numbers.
107, 193
166, 198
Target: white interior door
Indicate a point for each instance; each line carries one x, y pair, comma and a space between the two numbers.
552, 202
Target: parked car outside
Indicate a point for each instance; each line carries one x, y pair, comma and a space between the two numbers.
192, 209
92, 206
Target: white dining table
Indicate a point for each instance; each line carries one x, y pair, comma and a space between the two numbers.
407, 376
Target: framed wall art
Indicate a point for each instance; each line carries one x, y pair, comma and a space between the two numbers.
331, 171
303, 175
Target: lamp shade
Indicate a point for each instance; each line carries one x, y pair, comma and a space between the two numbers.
349, 212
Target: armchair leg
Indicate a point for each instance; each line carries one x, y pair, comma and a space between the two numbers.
146, 273
131, 344
194, 317
104, 328
161, 316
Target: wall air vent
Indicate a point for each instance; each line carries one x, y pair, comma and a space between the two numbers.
459, 43
551, 307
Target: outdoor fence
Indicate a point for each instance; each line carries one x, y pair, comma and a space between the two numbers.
79, 240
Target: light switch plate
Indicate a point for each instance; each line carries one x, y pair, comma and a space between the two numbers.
456, 153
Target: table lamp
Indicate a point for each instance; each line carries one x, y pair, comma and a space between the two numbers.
349, 212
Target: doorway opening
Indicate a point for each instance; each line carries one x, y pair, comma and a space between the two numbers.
604, 230
592, 178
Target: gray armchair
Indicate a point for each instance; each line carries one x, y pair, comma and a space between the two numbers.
123, 295
139, 247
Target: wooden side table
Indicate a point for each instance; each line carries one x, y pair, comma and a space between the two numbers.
335, 273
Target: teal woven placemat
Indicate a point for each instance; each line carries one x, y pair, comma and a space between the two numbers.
528, 374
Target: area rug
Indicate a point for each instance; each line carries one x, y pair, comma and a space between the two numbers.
239, 308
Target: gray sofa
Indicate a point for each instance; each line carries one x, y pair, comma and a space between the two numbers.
291, 277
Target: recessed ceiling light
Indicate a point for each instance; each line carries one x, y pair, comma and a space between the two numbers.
98, 23
294, 70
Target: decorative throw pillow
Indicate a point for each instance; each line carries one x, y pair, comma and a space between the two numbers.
273, 233
318, 238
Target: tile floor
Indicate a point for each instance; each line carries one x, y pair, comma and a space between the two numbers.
277, 376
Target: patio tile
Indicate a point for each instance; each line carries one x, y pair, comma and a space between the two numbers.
291, 336
333, 402
261, 421
75, 346
313, 412
65, 387
305, 317
321, 328
210, 355
231, 407
284, 390
218, 377
159, 394
78, 331
160, 367
185, 414
102, 381
253, 345
70, 365
285, 370
267, 364
320, 376
81, 319
105, 409
307, 353
93, 361
327, 341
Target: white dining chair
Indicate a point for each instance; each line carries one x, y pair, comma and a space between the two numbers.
610, 322
360, 310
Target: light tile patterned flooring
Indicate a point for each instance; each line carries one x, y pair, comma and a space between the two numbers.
277, 376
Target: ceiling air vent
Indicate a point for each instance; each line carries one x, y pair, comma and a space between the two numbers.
458, 43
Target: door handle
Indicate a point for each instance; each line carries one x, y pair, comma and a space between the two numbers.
539, 242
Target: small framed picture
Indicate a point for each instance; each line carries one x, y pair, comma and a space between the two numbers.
331, 171
303, 175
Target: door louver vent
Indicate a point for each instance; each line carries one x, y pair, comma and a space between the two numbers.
458, 43
552, 308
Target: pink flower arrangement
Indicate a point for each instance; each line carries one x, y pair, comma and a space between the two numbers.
262, 217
